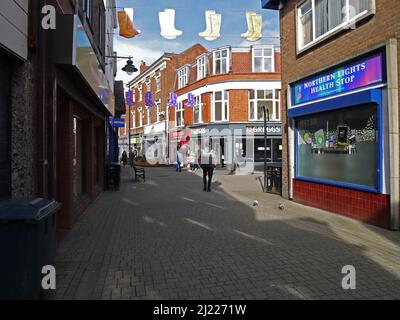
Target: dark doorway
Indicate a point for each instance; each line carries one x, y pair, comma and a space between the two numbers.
5, 127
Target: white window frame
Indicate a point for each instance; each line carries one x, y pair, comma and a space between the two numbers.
148, 86
344, 25
180, 108
158, 82
263, 56
276, 100
183, 77
198, 103
228, 60
133, 124
158, 109
140, 90
148, 114
225, 102
141, 117
202, 67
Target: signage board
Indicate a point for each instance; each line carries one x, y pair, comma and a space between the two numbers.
118, 122
271, 129
362, 73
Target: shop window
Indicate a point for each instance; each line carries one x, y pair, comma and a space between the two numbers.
78, 158
340, 146
318, 19
221, 61
258, 99
221, 106
88, 9
274, 150
263, 60
180, 115
198, 110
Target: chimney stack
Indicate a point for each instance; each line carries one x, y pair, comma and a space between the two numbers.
143, 66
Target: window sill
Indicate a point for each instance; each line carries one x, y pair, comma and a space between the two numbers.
336, 30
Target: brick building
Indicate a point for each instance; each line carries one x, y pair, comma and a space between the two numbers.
229, 87
57, 135
340, 74
148, 126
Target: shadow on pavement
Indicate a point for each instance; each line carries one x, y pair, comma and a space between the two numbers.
167, 239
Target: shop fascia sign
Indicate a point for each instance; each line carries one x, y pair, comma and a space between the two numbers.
270, 129
362, 73
199, 131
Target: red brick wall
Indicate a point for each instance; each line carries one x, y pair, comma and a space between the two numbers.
242, 62
239, 105
364, 206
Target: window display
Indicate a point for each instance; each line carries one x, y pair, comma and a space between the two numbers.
341, 146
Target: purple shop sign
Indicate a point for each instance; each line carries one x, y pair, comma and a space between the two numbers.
360, 74
173, 100
190, 103
129, 98
149, 99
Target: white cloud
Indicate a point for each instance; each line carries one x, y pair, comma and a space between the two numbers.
148, 51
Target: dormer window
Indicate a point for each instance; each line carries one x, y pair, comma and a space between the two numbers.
183, 77
263, 59
201, 67
221, 61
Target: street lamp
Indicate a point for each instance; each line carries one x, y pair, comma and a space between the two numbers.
266, 118
129, 67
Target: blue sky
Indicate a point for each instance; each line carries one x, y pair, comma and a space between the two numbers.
190, 19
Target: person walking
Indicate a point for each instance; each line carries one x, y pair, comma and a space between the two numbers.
124, 158
207, 163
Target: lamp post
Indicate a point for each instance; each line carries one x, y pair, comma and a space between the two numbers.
266, 119
129, 67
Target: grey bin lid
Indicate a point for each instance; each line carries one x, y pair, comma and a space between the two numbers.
31, 210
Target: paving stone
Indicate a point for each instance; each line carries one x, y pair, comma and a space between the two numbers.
171, 248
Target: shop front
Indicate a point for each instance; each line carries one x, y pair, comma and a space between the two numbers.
339, 135
86, 140
154, 143
240, 146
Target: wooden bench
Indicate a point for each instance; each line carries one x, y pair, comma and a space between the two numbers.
139, 173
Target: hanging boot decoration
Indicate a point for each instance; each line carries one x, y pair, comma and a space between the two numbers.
125, 20
213, 26
167, 24
208, 30
250, 26
254, 23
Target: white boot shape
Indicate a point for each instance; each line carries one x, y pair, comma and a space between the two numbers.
208, 30
255, 27
213, 22
167, 24
250, 27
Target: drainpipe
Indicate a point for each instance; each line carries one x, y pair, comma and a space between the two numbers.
393, 116
40, 102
